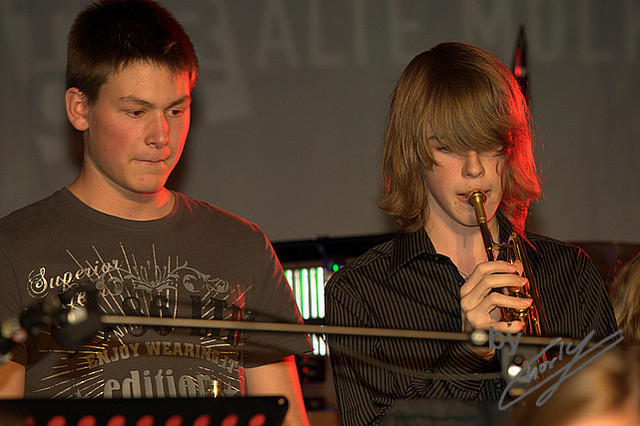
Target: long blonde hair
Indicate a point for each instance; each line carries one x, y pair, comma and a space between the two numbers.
625, 296
467, 98
609, 384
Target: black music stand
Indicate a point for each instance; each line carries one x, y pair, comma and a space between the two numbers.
148, 412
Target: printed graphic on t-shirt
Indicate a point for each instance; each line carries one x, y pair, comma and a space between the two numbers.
141, 361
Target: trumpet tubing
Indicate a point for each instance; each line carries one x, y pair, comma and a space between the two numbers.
477, 199
533, 317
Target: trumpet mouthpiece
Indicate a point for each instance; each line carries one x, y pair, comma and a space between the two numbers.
476, 199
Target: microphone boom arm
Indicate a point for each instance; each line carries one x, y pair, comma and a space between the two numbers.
476, 337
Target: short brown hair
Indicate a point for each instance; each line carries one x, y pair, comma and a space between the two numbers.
466, 97
109, 35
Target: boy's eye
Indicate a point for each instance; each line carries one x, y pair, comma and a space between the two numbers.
177, 112
497, 151
442, 148
135, 113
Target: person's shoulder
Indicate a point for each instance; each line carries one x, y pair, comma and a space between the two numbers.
373, 257
546, 242
203, 211
556, 250
373, 263
31, 216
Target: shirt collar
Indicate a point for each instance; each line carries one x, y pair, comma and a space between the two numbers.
409, 245
505, 231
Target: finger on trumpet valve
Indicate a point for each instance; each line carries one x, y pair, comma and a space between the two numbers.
520, 289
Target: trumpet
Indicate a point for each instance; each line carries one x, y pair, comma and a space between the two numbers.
535, 322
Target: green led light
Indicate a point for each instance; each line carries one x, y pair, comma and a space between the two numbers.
335, 267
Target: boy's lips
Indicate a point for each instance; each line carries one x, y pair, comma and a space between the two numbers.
153, 160
465, 195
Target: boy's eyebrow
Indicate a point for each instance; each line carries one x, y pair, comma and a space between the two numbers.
142, 102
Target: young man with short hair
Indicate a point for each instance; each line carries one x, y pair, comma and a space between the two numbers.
147, 250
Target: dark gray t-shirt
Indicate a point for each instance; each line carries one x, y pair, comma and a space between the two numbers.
197, 262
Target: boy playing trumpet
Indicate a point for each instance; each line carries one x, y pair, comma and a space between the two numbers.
457, 123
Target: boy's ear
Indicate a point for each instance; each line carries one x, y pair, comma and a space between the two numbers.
77, 109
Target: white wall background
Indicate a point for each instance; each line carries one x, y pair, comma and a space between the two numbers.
290, 108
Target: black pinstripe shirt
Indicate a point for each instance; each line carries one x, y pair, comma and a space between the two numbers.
405, 284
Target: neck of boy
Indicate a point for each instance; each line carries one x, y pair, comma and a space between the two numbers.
462, 244
123, 204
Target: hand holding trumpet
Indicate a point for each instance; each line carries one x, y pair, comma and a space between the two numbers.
481, 305
497, 293
479, 302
